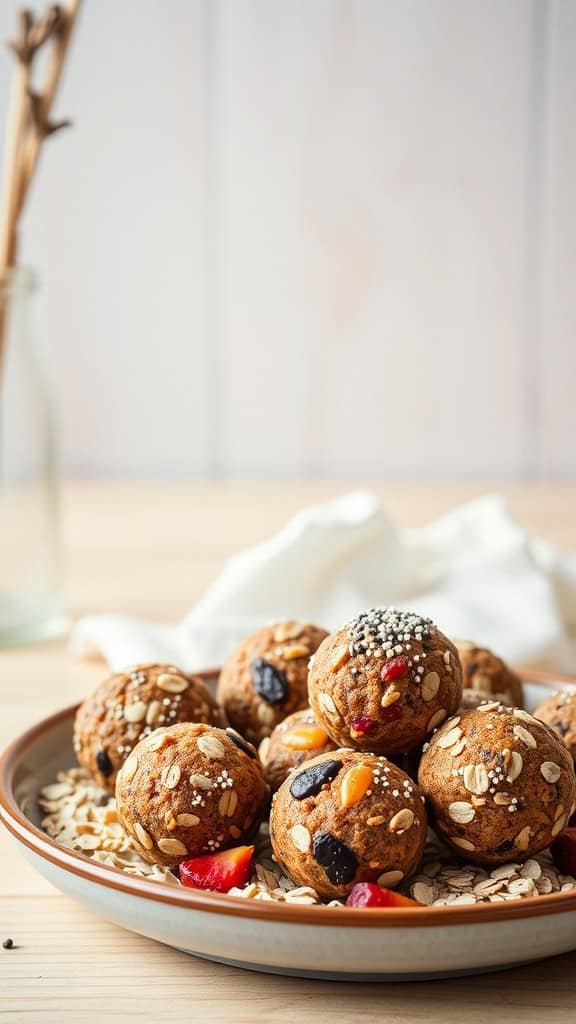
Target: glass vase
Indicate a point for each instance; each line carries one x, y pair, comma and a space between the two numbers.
31, 594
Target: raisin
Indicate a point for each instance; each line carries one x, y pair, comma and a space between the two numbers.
241, 743
310, 781
337, 859
104, 764
472, 668
505, 847
269, 682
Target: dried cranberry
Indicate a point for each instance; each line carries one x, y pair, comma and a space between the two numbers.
104, 764
310, 781
362, 726
270, 682
395, 669
337, 859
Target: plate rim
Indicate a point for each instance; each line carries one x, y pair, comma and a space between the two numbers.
26, 833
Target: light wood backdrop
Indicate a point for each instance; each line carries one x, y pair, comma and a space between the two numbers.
313, 236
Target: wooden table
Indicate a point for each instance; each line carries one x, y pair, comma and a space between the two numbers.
150, 550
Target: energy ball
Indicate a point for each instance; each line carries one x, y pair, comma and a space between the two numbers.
189, 789
559, 712
499, 784
297, 739
266, 678
486, 674
129, 706
472, 699
347, 817
384, 681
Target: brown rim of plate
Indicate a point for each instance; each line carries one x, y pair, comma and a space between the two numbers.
236, 906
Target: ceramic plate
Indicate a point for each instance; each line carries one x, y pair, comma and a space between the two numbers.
309, 941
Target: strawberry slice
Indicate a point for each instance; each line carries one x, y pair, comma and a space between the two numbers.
366, 894
218, 872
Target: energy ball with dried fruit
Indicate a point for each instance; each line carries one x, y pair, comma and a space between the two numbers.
499, 784
559, 712
384, 681
347, 817
129, 706
190, 789
297, 739
266, 678
486, 674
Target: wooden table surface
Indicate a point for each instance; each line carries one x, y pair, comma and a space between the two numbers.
150, 550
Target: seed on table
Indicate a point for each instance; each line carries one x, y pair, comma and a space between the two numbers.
8, 944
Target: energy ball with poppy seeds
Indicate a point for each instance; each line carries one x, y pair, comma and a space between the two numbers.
499, 784
266, 678
384, 681
347, 817
297, 739
129, 706
486, 674
188, 790
559, 712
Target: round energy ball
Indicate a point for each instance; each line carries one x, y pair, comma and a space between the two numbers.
472, 699
347, 817
499, 784
129, 706
297, 739
266, 678
189, 789
384, 681
486, 674
559, 712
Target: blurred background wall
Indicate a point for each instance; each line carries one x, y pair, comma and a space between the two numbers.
313, 237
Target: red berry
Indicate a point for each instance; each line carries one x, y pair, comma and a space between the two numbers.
218, 872
563, 851
366, 894
362, 726
395, 669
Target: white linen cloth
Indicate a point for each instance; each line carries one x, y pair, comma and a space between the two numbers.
475, 572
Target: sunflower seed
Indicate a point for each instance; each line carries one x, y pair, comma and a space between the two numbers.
558, 825
390, 697
171, 776
340, 657
423, 893
129, 769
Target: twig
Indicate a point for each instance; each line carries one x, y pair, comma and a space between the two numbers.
62, 32
29, 121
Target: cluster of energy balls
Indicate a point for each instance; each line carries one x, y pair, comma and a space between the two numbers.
362, 737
